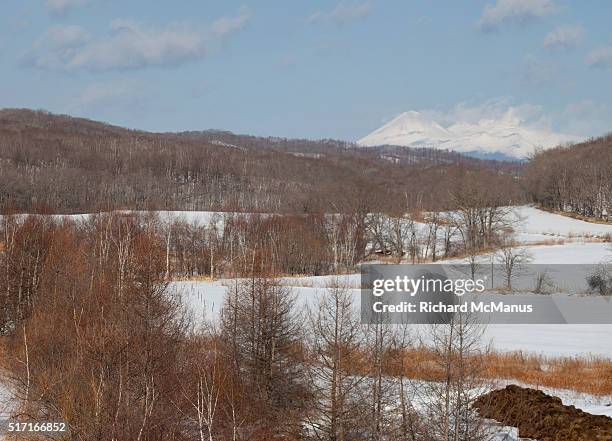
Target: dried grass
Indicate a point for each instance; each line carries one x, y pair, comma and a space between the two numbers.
592, 375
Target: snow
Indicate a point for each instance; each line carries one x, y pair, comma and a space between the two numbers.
550, 225
7, 403
409, 128
533, 224
551, 340
199, 218
584, 253
588, 403
204, 298
579, 253
506, 134
190, 217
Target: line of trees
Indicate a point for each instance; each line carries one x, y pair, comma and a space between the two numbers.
230, 244
576, 179
227, 244
51, 163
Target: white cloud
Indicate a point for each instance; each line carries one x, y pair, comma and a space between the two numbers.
130, 45
342, 13
63, 6
580, 119
57, 44
63, 37
227, 25
108, 96
495, 109
600, 58
564, 37
514, 11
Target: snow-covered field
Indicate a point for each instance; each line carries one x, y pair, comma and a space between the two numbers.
204, 299
534, 228
190, 217
539, 222
587, 253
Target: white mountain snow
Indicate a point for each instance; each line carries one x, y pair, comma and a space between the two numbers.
506, 134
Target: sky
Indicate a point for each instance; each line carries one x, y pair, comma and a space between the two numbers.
315, 69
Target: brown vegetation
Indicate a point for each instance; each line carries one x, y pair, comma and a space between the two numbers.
574, 179
62, 164
592, 375
94, 338
543, 417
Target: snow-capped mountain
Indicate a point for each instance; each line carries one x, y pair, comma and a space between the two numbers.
506, 135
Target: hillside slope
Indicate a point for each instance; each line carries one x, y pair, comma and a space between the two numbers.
59, 163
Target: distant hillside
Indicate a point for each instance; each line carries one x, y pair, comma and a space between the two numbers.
576, 179
60, 163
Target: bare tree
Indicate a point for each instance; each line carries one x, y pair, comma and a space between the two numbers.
512, 259
409, 428
260, 325
335, 345
380, 393
459, 356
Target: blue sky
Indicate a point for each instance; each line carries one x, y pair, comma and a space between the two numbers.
309, 69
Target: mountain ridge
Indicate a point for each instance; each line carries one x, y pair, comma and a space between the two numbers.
507, 135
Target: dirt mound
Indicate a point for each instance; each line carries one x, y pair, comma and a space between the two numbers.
542, 417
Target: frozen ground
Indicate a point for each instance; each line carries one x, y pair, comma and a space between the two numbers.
190, 217
205, 299
575, 252
538, 222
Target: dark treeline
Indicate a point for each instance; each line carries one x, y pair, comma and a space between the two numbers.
576, 178
226, 244
63, 164
94, 337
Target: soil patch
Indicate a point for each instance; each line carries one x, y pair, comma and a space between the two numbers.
542, 417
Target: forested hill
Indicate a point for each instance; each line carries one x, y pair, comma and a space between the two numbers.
575, 178
58, 163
